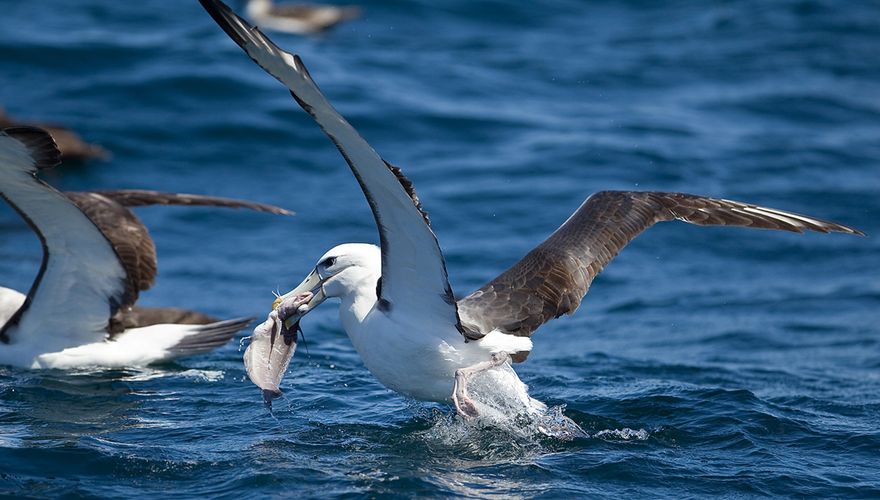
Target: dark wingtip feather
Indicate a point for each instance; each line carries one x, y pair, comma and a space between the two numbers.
409, 188
39, 143
840, 228
223, 16
210, 337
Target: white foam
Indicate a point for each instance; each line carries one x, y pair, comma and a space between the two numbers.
625, 434
503, 404
146, 374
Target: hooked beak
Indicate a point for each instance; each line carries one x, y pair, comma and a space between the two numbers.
311, 289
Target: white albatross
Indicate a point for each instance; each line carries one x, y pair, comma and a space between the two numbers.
396, 303
97, 257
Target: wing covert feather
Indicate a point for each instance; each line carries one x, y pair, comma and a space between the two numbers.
128, 236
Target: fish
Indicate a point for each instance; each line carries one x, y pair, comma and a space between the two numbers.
267, 357
272, 346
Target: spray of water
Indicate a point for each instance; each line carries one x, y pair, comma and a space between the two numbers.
505, 407
242, 340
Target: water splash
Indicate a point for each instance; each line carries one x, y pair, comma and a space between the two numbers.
505, 407
625, 434
203, 375
503, 401
146, 374
241, 341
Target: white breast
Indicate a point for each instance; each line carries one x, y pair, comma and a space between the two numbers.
406, 357
413, 358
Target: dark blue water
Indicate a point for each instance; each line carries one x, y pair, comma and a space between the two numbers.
704, 361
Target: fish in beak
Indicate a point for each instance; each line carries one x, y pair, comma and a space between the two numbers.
295, 304
274, 341
270, 351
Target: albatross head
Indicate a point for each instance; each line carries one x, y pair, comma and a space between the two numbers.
344, 270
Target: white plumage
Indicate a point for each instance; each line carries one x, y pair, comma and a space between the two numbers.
63, 321
395, 301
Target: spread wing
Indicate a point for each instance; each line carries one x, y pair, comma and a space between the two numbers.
130, 238
413, 270
81, 281
552, 279
142, 198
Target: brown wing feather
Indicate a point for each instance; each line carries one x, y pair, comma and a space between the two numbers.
141, 198
552, 279
71, 145
40, 145
128, 235
129, 238
138, 317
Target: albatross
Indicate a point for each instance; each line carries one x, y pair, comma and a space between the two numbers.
299, 19
72, 146
97, 258
396, 304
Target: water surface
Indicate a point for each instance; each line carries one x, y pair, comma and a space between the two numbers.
704, 361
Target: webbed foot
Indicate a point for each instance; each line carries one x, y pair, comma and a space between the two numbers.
463, 403
465, 407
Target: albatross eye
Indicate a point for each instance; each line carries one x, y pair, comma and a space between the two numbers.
329, 261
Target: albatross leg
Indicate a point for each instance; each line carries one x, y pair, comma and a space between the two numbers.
463, 403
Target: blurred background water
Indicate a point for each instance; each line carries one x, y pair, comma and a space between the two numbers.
704, 361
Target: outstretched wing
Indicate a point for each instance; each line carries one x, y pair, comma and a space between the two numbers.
129, 236
142, 198
81, 281
413, 270
552, 279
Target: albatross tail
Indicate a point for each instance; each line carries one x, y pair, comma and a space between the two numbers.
208, 337
143, 346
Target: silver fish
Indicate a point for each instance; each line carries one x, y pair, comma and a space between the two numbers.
269, 353
274, 342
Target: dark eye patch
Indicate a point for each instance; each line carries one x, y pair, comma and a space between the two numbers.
329, 261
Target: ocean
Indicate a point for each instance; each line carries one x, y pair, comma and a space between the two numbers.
703, 362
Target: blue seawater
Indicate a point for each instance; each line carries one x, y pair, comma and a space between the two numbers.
703, 362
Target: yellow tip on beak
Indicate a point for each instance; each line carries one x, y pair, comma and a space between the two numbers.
275, 304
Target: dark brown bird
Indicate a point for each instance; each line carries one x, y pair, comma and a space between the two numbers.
72, 146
